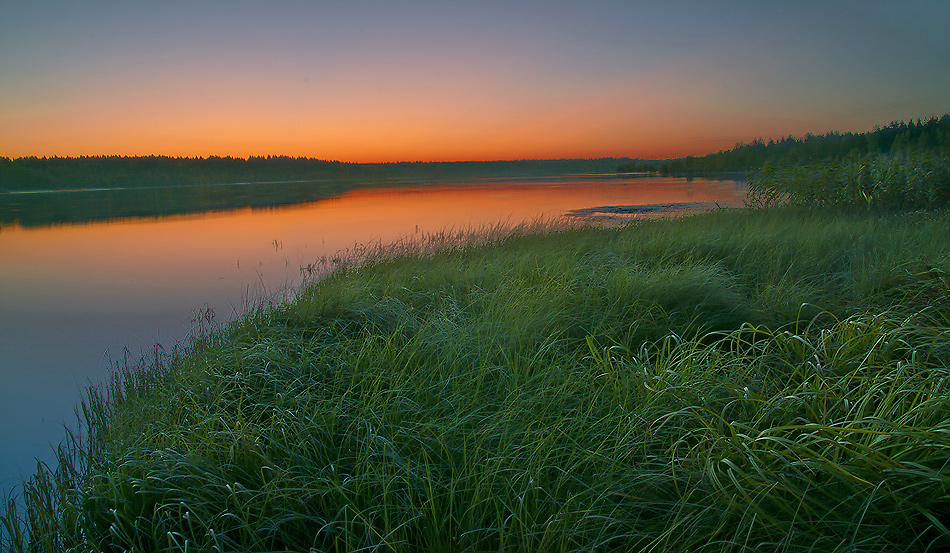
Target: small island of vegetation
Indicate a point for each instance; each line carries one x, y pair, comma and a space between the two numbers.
775, 378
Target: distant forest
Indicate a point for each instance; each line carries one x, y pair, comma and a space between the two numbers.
72, 173
108, 187
897, 138
906, 165
87, 172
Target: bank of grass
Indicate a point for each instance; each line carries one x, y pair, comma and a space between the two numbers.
736, 381
905, 181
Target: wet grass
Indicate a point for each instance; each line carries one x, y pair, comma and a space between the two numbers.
736, 381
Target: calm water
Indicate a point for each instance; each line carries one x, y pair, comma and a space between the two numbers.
73, 297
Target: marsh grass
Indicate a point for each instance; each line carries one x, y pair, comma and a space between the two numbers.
735, 381
915, 180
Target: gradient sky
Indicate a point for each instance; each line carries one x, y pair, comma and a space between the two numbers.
456, 80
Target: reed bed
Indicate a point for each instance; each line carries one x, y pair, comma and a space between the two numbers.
915, 180
740, 381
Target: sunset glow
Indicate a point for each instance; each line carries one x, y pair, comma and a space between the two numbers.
433, 81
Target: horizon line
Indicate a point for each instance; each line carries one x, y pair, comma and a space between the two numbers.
307, 158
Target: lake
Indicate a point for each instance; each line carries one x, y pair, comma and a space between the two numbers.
73, 298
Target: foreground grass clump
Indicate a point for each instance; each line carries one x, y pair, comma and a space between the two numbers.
738, 381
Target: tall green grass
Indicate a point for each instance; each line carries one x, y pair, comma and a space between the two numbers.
905, 181
736, 381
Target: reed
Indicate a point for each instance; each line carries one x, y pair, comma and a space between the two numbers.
915, 180
735, 381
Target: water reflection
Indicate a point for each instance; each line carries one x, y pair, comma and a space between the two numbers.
72, 297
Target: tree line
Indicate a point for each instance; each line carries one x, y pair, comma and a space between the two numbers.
89, 172
898, 138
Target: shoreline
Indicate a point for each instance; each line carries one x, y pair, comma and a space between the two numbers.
584, 386
621, 213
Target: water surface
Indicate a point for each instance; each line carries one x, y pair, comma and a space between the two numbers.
73, 297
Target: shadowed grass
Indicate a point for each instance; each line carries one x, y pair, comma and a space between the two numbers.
736, 381
905, 181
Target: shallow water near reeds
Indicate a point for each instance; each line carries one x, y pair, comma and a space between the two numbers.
75, 298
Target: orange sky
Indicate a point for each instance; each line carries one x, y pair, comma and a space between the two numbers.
430, 81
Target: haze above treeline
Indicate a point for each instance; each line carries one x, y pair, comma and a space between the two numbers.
61, 173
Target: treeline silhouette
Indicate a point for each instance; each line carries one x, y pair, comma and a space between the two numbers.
897, 138
109, 187
71, 173
77, 206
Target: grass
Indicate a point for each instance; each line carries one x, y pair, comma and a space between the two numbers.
761, 380
914, 180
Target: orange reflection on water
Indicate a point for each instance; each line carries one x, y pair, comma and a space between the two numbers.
274, 243
171, 256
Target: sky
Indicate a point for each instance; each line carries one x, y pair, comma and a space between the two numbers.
415, 80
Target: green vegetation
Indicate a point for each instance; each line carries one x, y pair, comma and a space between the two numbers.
71, 173
902, 167
902, 182
747, 380
35, 210
639, 166
45, 191
896, 139
765, 379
